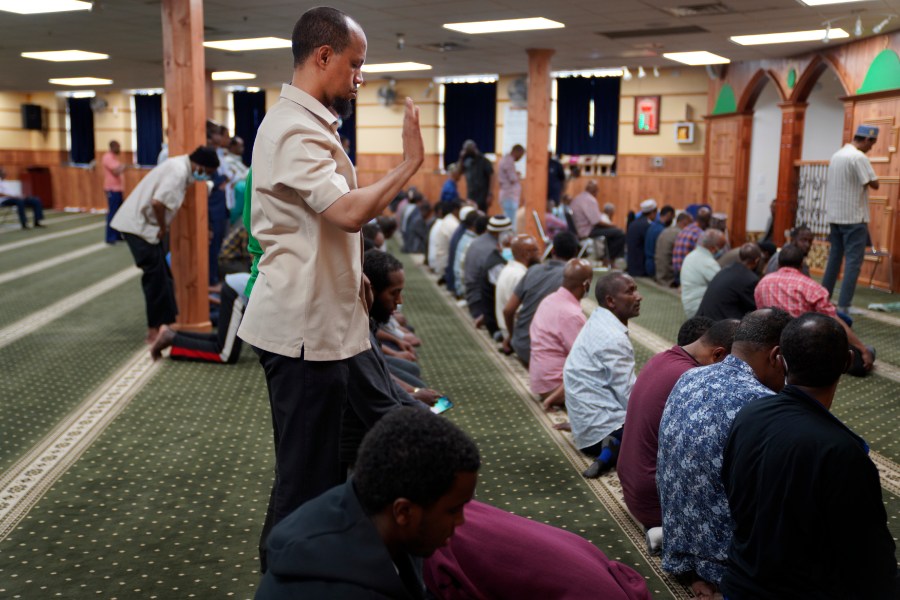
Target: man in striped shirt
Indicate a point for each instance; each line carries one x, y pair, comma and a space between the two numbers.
850, 175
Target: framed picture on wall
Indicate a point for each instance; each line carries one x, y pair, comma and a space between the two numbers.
646, 115
684, 133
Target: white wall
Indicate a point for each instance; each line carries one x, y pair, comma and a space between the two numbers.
764, 152
823, 129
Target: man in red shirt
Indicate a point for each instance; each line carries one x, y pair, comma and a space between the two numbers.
113, 185
792, 291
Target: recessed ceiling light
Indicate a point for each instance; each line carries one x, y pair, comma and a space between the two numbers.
815, 35
504, 25
395, 67
80, 81
827, 2
33, 7
263, 43
65, 55
231, 75
701, 57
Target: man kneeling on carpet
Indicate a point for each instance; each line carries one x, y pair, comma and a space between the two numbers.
366, 538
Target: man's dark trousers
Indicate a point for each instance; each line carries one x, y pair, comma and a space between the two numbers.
159, 289
306, 398
114, 200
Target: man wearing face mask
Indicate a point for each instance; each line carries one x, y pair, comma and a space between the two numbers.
144, 220
307, 317
692, 434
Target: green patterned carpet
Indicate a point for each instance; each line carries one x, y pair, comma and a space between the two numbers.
168, 500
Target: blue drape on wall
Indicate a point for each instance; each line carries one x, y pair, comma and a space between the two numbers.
249, 110
470, 112
348, 130
573, 97
81, 130
148, 116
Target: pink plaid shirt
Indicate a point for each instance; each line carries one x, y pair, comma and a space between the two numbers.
792, 291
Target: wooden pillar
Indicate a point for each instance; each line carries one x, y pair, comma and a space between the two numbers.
792, 119
535, 188
182, 28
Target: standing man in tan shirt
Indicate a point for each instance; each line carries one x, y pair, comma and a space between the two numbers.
307, 317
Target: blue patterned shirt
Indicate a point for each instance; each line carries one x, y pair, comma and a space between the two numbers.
697, 523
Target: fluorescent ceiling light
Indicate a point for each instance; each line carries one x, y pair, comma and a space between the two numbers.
80, 81
395, 67
33, 7
476, 78
505, 25
231, 75
588, 73
827, 2
65, 55
263, 43
815, 35
701, 57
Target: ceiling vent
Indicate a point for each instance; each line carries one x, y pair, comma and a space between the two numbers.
698, 10
443, 47
652, 33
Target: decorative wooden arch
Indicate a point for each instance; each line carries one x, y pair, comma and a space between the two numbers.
807, 81
755, 87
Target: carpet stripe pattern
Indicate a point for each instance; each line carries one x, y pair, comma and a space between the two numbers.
163, 470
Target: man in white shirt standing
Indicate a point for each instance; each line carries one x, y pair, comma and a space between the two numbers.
307, 318
850, 175
144, 219
510, 184
599, 372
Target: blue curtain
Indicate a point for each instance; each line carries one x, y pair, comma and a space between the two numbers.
81, 131
470, 112
249, 110
148, 116
348, 130
573, 98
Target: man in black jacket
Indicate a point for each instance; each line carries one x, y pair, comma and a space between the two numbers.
809, 520
730, 293
365, 539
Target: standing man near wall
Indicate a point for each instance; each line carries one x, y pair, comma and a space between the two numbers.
510, 184
479, 175
113, 185
850, 175
307, 316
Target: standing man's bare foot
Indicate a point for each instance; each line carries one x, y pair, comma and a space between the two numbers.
165, 339
152, 333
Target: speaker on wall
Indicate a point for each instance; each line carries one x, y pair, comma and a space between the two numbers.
32, 116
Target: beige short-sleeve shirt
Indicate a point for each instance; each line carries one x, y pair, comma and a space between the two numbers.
165, 183
308, 296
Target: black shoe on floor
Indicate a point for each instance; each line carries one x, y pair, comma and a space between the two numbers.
594, 471
41, 225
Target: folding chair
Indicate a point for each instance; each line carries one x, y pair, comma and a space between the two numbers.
548, 243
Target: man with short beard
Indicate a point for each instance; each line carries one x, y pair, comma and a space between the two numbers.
307, 317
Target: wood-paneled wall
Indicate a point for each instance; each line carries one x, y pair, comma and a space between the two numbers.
729, 136
678, 182
79, 188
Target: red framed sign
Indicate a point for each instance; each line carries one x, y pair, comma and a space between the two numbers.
646, 115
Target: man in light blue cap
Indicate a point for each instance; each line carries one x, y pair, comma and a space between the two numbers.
850, 175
